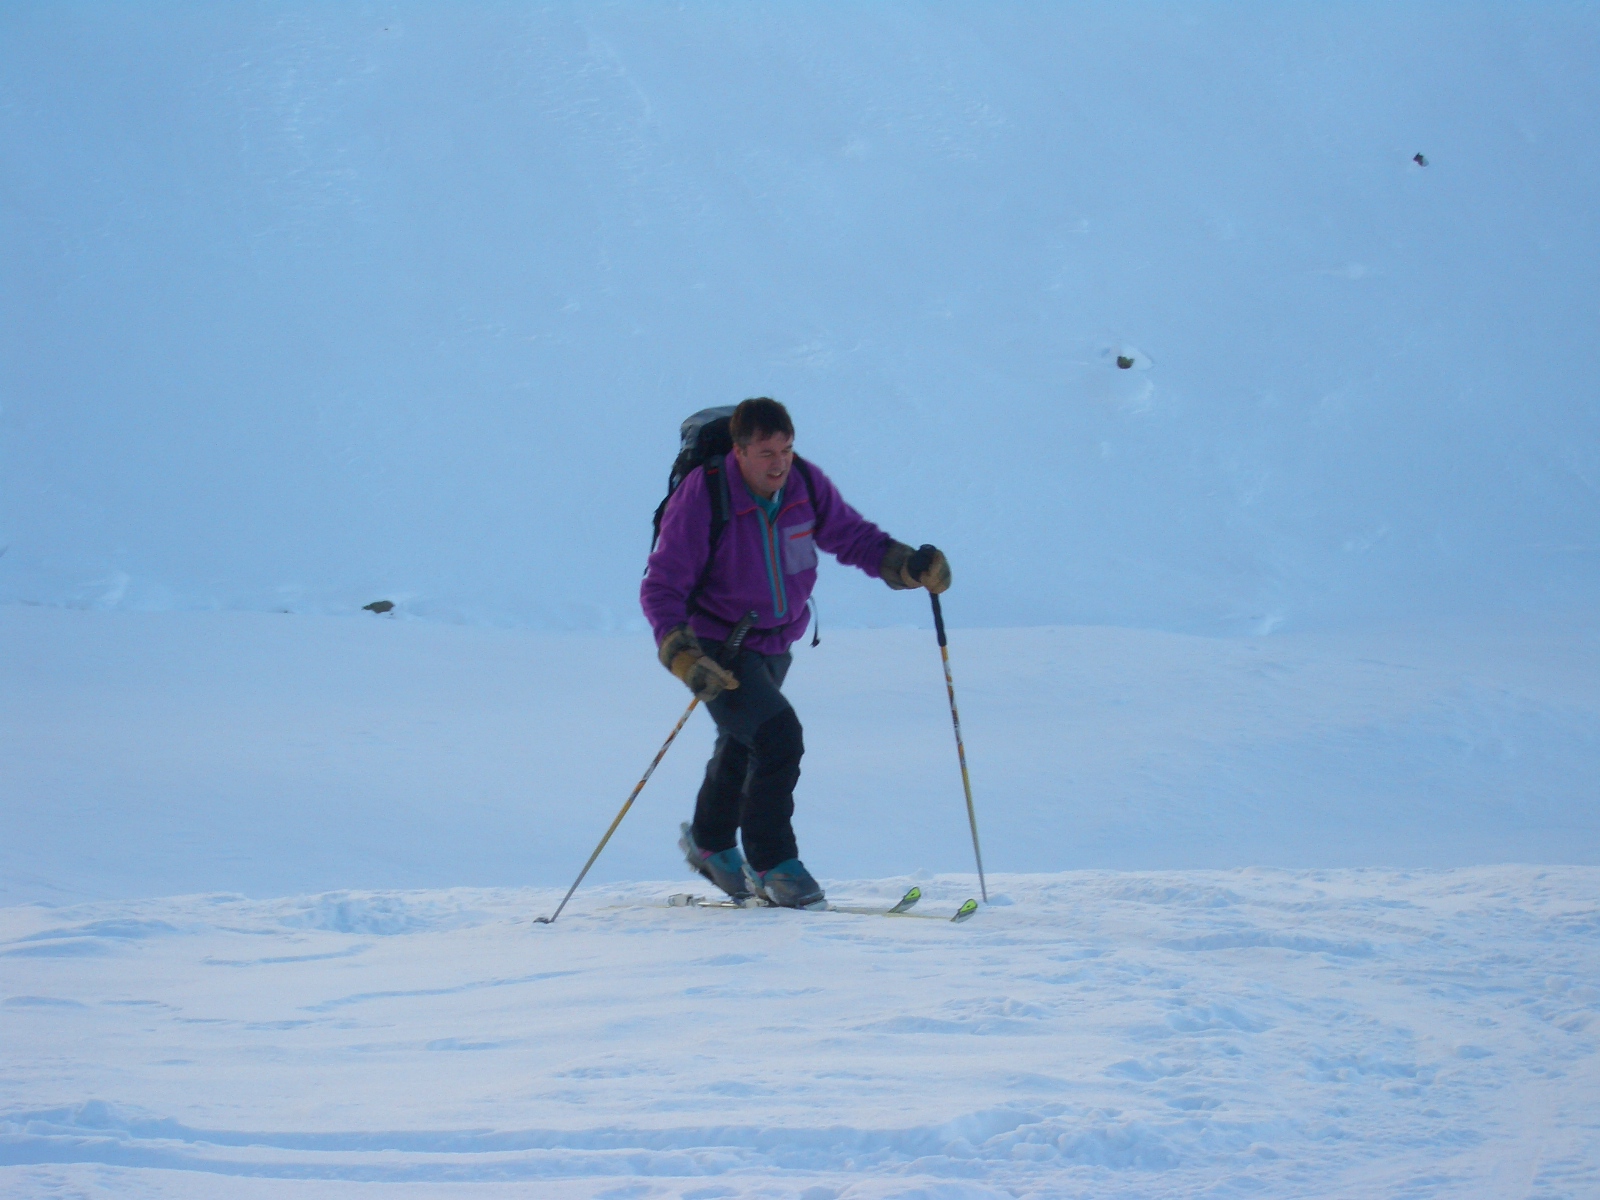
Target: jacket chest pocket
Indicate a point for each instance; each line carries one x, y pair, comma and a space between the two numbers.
799, 547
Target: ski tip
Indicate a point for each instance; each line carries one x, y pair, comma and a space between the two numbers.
907, 900
965, 911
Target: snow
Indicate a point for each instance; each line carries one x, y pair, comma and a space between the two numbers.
1204, 987
306, 306
159, 753
1112, 1034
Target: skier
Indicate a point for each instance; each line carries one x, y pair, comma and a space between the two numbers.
697, 589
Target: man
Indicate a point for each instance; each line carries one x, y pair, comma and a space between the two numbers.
781, 510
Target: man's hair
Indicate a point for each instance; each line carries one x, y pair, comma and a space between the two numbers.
758, 418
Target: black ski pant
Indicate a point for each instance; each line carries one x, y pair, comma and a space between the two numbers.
750, 780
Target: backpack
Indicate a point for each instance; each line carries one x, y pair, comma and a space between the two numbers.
704, 441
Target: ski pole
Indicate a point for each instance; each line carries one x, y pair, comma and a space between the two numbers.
731, 649
919, 563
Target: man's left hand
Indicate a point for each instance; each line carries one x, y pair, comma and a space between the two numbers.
904, 568
930, 569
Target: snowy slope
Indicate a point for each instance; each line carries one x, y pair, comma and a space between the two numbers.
154, 754
353, 823
1366, 1034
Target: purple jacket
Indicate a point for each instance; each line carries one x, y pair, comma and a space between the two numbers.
741, 578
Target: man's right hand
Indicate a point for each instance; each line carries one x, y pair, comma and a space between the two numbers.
680, 653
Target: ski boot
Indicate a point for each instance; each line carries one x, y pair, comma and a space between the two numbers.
725, 868
788, 885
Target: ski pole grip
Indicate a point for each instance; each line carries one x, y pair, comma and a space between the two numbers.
938, 618
921, 559
735, 642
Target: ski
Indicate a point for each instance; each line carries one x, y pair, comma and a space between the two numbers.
966, 910
904, 905
900, 909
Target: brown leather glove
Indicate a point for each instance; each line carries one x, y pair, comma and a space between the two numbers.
900, 561
680, 653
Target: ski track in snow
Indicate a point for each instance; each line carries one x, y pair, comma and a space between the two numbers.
1145, 1034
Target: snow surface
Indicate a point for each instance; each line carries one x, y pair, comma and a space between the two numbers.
1352, 1033
354, 821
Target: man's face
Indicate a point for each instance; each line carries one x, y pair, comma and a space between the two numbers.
765, 463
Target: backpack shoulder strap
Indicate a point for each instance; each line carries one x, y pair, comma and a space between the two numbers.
804, 468
721, 510
721, 499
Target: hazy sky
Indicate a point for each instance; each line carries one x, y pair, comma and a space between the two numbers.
302, 305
